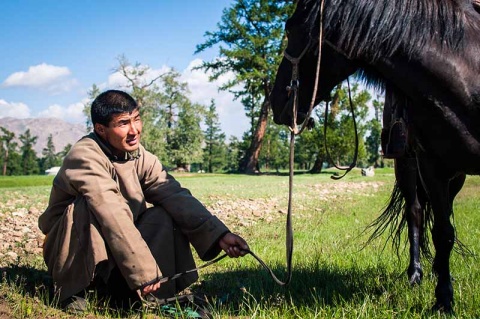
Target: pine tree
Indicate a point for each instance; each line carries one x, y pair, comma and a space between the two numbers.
234, 154
92, 94
65, 151
187, 137
29, 163
8, 147
373, 140
275, 150
214, 152
50, 158
251, 38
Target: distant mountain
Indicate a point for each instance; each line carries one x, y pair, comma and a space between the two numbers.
63, 133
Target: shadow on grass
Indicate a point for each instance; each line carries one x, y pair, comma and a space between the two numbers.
29, 282
309, 288
37, 284
312, 287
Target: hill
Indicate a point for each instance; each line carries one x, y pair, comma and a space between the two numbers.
63, 133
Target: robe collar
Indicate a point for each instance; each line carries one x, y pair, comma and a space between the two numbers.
108, 150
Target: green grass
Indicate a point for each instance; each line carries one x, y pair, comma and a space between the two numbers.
333, 277
25, 181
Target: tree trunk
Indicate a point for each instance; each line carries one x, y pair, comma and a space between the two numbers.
249, 163
317, 166
5, 162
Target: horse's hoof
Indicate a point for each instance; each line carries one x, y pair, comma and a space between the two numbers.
415, 276
415, 279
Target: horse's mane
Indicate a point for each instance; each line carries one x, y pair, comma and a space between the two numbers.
376, 29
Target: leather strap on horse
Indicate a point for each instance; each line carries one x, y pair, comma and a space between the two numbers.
293, 132
294, 82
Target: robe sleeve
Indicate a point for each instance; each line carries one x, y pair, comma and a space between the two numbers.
203, 229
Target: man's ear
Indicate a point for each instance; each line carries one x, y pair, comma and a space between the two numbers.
99, 129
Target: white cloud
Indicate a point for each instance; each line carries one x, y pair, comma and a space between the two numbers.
62, 86
16, 110
230, 112
73, 113
55, 79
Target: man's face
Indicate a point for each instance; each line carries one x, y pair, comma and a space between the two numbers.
123, 132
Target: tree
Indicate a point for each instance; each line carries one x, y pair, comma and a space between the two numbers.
172, 97
214, 153
341, 135
373, 140
92, 94
14, 167
252, 32
178, 120
65, 151
234, 153
145, 90
140, 78
158, 96
340, 131
186, 144
310, 153
50, 158
162, 98
29, 163
275, 150
7, 147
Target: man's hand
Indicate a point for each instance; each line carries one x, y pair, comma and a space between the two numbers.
233, 245
150, 288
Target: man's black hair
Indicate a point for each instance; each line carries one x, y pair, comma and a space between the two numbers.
109, 103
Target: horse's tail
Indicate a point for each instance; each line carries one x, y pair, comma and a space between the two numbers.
427, 221
393, 220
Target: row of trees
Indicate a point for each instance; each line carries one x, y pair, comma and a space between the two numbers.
250, 39
22, 159
173, 131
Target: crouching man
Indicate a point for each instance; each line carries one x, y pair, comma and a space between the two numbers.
99, 231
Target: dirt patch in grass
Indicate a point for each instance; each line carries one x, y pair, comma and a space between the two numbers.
5, 311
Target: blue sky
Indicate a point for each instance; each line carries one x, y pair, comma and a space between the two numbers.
53, 51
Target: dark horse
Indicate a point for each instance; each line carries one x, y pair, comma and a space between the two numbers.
429, 52
409, 204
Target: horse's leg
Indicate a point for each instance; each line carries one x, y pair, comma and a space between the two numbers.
406, 175
443, 233
455, 186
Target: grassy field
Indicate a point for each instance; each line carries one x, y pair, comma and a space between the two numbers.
334, 275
